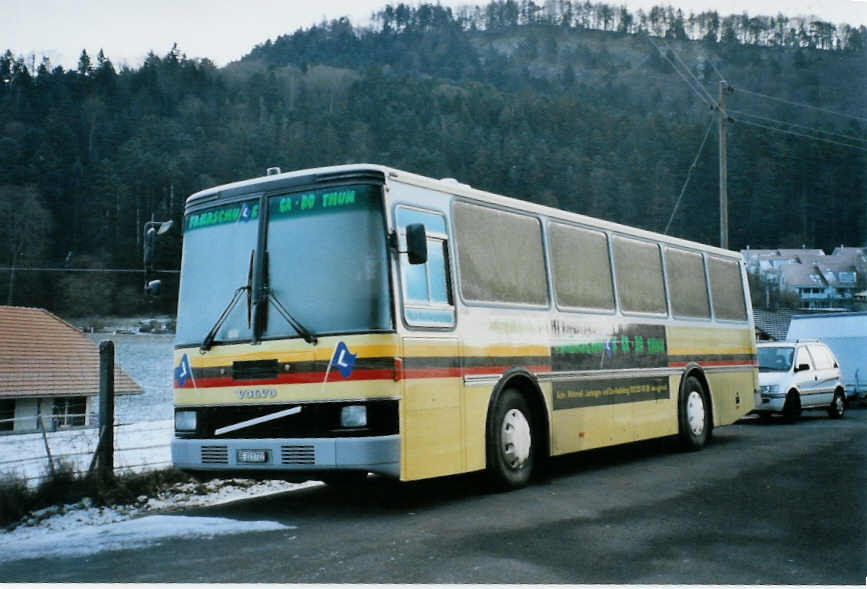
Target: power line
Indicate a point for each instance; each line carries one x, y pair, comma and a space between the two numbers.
778, 130
812, 129
689, 71
713, 65
709, 101
790, 132
688, 176
783, 100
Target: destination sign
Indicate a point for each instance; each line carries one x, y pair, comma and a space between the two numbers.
291, 205
234, 213
284, 206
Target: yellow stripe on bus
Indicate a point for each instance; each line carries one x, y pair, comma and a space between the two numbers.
696, 341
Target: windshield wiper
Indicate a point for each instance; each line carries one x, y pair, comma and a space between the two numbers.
209, 339
305, 333
212, 334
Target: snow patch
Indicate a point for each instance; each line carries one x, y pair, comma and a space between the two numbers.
82, 528
125, 535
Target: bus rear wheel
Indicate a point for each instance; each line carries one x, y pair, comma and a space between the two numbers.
693, 410
510, 441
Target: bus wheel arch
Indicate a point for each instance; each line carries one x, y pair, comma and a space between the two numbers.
516, 402
695, 371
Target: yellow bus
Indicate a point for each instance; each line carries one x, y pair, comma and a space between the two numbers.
357, 319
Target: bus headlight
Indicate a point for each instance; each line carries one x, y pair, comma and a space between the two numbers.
185, 421
353, 416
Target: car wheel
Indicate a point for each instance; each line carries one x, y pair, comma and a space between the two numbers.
510, 441
792, 407
838, 405
694, 421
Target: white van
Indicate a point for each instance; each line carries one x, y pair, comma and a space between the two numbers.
798, 375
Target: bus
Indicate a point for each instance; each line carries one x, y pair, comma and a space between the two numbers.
355, 319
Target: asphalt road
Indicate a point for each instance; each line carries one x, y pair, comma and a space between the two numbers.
763, 503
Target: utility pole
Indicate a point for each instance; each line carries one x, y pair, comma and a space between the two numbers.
724, 89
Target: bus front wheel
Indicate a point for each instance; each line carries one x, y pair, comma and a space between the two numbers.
510, 443
694, 420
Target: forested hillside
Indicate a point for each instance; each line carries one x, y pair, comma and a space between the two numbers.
567, 104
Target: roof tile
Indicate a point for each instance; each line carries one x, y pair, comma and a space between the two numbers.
42, 355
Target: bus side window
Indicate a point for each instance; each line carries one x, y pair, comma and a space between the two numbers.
726, 289
426, 287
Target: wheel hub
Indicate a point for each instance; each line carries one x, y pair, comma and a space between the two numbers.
695, 413
516, 439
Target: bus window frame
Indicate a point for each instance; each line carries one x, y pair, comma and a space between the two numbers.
740, 265
445, 240
701, 254
314, 186
549, 305
553, 279
658, 244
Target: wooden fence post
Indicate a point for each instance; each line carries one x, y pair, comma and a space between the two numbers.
44, 437
105, 449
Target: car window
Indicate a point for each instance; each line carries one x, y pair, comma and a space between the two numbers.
803, 358
775, 359
823, 358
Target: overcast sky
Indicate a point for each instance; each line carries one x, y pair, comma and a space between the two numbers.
225, 30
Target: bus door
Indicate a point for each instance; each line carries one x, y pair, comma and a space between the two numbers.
431, 422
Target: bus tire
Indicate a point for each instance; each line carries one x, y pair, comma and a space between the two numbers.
510, 442
693, 412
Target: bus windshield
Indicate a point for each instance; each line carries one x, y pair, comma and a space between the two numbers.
218, 247
326, 266
327, 261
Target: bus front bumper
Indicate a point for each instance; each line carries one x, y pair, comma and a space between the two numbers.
377, 454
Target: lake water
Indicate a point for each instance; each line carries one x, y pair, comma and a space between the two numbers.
147, 358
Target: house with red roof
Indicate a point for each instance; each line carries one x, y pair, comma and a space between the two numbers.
49, 370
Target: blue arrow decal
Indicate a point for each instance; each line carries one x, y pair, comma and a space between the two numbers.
344, 359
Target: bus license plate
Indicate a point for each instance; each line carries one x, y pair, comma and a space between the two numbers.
252, 456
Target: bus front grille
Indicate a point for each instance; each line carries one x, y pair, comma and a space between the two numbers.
315, 420
297, 455
215, 455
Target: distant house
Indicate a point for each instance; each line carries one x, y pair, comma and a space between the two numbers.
48, 368
819, 281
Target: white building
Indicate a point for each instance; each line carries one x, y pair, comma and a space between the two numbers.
819, 280
48, 370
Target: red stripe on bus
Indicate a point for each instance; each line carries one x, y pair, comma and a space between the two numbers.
357, 375
714, 363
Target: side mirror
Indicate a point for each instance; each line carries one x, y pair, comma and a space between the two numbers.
149, 246
416, 243
152, 288
802, 367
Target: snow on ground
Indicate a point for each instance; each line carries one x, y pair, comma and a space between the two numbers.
139, 446
134, 533
145, 429
82, 528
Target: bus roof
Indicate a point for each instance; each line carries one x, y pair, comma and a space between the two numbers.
452, 187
